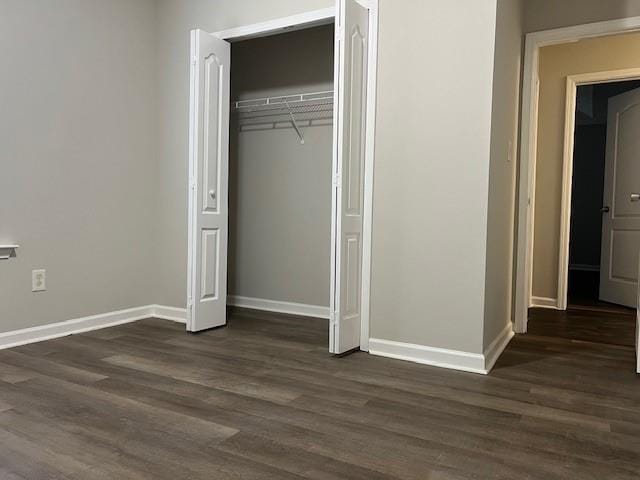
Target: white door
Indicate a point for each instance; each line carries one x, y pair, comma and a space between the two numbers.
352, 27
208, 178
621, 223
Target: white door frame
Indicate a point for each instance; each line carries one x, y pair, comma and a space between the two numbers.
529, 136
573, 82
307, 20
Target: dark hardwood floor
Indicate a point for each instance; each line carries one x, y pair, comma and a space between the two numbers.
262, 399
596, 322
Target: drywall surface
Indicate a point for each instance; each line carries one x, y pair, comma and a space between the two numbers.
556, 63
548, 14
435, 77
279, 189
504, 148
77, 181
174, 21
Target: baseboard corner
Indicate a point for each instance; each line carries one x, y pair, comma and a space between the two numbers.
495, 349
174, 314
426, 355
544, 302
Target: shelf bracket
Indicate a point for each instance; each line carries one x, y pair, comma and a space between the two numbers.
295, 124
8, 251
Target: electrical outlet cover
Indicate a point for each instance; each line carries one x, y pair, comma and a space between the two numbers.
38, 280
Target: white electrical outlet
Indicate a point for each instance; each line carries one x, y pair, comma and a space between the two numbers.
38, 280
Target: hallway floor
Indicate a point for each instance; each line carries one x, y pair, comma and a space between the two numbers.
262, 399
595, 322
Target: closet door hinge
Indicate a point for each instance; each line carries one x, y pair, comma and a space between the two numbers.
337, 180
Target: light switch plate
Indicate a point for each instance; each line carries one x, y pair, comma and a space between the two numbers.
38, 280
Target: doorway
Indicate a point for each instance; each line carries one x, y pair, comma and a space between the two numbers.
595, 263
352, 108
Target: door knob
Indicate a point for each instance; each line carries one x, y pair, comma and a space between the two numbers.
212, 193
605, 210
635, 197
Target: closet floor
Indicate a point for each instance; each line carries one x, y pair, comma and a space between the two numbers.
262, 399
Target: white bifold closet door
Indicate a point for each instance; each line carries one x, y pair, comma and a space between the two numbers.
209, 164
352, 27
208, 179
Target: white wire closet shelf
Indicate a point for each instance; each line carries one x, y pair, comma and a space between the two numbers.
287, 111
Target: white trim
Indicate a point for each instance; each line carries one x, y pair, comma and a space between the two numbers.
442, 357
290, 308
544, 302
493, 351
334, 279
530, 90
193, 170
367, 221
573, 81
279, 25
41, 333
173, 314
436, 357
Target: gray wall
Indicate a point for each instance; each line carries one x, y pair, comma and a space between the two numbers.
77, 178
435, 76
429, 240
548, 14
280, 190
504, 149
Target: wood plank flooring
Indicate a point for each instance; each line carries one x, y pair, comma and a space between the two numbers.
262, 399
596, 322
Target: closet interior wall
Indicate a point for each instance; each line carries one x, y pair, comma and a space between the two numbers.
280, 189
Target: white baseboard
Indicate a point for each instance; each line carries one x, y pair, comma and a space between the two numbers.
544, 302
444, 358
437, 357
493, 351
170, 313
279, 307
24, 336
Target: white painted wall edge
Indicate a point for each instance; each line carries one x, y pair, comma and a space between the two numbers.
444, 358
544, 302
279, 307
41, 333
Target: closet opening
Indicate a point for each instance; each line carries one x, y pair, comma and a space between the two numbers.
280, 172
281, 129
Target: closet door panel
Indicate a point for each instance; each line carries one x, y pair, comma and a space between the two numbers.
353, 24
208, 181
